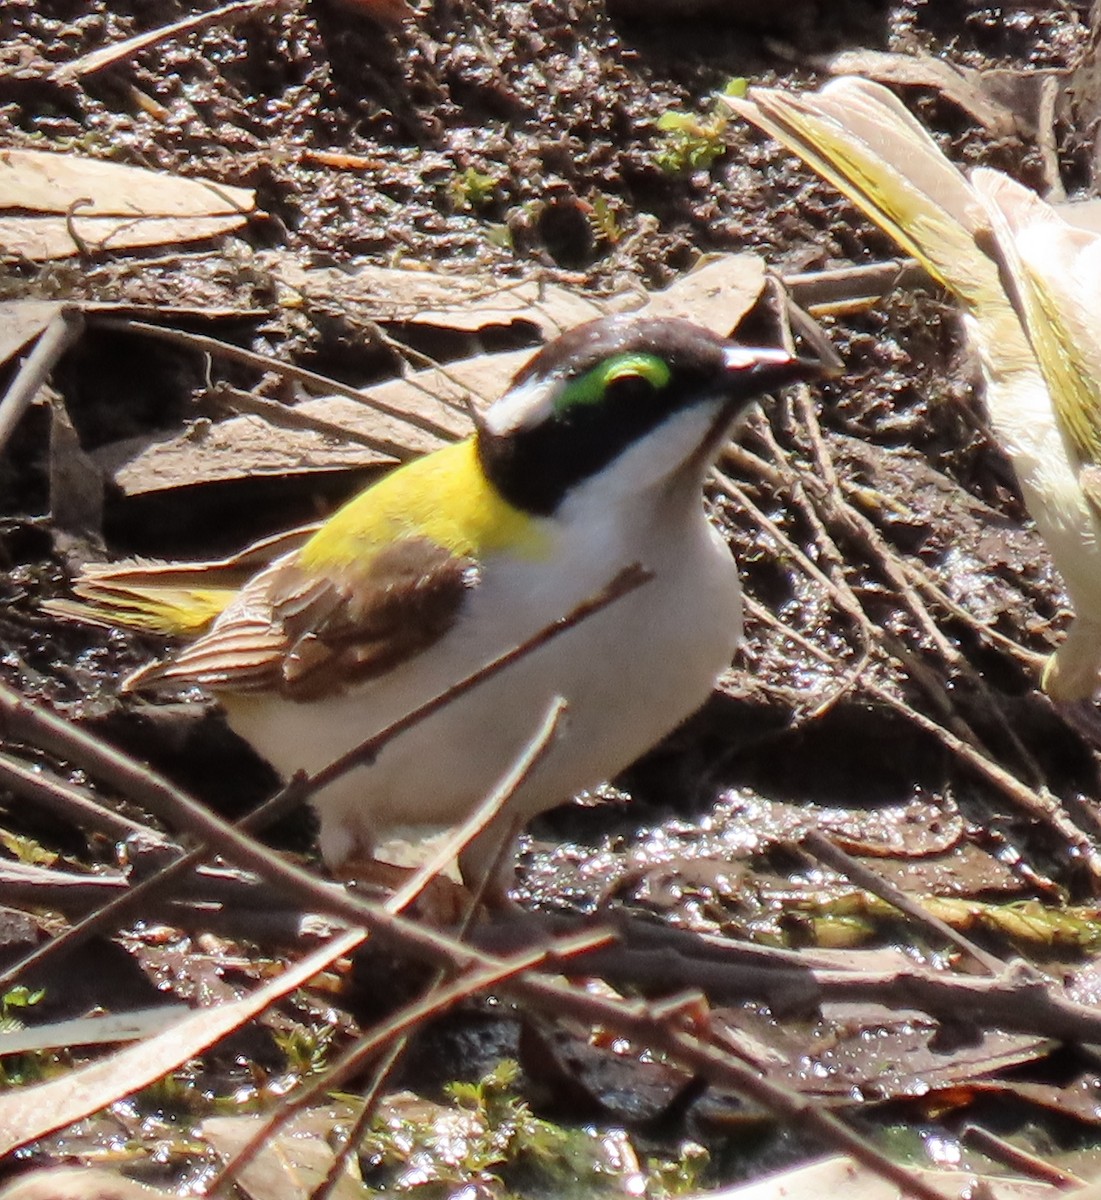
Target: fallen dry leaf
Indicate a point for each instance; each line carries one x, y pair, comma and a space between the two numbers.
42, 238
291, 1164
21, 321
841, 1176
40, 181
466, 302
68, 204
960, 85
29, 1113
80, 1183
717, 295
244, 446
109, 56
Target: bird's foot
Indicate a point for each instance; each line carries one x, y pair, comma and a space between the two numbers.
441, 902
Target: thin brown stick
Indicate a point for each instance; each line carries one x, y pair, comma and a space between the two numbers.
825, 495
264, 362
47, 792
1006, 1005
1018, 1159
24, 720
1017, 999
794, 698
1040, 805
109, 56
960, 737
461, 837
849, 289
921, 577
781, 478
118, 769
833, 856
486, 975
461, 404
625, 582
844, 598
841, 594
868, 537
479, 820
355, 1133
62, 331
288, 416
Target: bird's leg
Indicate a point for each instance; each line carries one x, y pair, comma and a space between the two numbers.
1072, 672
1071, 677
487, 864
442, 902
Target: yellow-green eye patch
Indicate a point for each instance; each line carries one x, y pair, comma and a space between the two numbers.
591, 387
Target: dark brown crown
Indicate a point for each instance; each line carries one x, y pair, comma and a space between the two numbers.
535, 463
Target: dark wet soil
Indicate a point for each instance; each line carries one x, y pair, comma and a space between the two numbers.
521, 140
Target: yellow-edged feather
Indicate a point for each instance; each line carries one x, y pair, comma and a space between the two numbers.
859, 137
1047, 260
165, 611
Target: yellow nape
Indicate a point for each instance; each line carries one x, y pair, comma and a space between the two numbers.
167, 611
444, 497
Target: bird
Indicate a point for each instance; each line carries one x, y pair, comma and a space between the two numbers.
592, 461
1022, 275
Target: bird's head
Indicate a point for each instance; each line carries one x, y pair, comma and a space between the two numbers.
631, 401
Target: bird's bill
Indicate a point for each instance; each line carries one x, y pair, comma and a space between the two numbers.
757, 370
751, 372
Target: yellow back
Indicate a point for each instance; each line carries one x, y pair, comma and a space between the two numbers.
443, 497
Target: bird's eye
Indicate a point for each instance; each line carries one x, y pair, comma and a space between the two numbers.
621, 371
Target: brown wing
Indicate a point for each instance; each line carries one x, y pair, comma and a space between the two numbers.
305, 636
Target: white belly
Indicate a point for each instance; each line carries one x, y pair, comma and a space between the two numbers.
629, 675
1023, 417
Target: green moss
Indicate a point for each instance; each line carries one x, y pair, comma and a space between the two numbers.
694, 141
472, 190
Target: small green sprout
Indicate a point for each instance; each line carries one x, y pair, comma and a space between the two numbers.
19, 997
472, 189
681, 1176
306, 1049
27, 850
17, 1069
693, 142
604, 220
500, 235
489, 1130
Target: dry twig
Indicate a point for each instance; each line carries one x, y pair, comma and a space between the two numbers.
263, 362
61, 333
109, 56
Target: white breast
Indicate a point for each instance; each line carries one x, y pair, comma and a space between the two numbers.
629, 674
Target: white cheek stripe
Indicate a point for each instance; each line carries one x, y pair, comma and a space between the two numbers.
522, 407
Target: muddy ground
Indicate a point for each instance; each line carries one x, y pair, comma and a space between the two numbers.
521, 141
